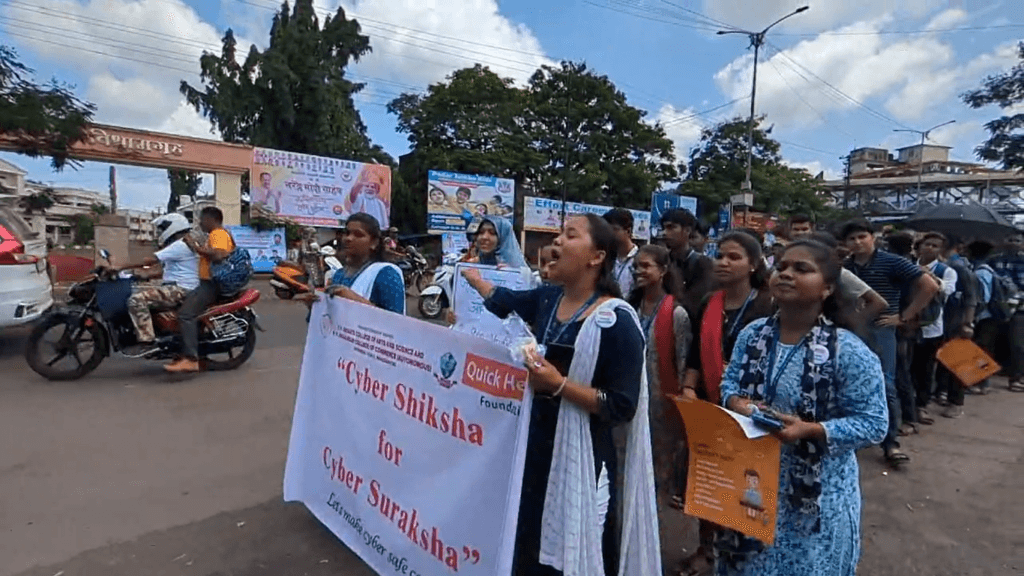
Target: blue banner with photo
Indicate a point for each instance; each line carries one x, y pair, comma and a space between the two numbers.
266, 247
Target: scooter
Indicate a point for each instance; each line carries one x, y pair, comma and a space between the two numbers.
438, 296
290, 278
72, 340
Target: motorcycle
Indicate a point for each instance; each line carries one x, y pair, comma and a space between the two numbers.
414, 270
290, 278
438, 296
95, 323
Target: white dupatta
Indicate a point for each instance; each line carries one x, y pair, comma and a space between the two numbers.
363, 284
571, 528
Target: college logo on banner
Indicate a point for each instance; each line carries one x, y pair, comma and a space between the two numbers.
395, 458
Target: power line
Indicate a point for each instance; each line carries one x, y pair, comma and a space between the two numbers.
795, 145
874, 112
651, 18
906, 32
804, 100
703, 16
693, 115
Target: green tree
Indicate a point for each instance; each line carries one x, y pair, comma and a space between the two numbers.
717, 169
38, 202
592, 141
294, 95
472, 123
182, 183
1005, 144
39, 120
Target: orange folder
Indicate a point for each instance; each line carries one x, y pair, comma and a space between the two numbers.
969, 363
732, 480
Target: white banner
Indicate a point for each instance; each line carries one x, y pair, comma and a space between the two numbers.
470, 315
318, 191
408, 441
545, 215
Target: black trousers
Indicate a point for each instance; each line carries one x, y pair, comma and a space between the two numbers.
195, 304
923, 370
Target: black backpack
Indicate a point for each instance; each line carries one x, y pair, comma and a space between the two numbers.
965, 297
1003, 291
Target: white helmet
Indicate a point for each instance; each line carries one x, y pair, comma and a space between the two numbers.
170, 224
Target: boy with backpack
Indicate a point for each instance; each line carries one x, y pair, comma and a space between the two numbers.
1008, 282
959, 321
924, 369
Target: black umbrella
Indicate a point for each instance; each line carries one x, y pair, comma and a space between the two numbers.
966, 221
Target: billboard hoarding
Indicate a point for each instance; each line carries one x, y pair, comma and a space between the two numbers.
454, 201
545, 215
266, 247
318, 191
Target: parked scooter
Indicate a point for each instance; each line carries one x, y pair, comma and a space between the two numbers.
438, 296
290, 278
96, 323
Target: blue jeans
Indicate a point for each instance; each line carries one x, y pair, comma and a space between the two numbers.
883, 342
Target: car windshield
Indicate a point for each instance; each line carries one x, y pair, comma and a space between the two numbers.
14, 223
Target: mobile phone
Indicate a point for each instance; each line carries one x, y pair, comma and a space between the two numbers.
767, 421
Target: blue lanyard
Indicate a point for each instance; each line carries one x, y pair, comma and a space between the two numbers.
772, 383
737, 321
645, 323
576, 316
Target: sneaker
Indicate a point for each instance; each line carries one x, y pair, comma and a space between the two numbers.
953, 411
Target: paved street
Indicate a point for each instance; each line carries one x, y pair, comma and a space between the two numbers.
131, 472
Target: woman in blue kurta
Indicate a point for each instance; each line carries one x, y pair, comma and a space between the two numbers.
584, 257
366, 277
828, 389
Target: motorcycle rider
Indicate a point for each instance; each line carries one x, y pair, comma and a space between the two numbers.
180, 268
219, 245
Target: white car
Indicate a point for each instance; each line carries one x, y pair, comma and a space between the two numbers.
25, 288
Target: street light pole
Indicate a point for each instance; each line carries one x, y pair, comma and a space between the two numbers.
920, 162
756, 40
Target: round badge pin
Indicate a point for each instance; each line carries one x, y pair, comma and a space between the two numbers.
605, 318
820, 354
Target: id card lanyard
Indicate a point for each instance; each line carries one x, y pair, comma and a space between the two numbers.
772, 383
547, 339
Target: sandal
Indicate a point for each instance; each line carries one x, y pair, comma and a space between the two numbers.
896, 457
1016, 386
678, 502
908, 429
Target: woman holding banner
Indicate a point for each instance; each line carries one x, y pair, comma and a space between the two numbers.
741, 277
367, 277
666, 328
590, 379
827, 389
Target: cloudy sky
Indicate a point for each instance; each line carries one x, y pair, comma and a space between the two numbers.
838, 76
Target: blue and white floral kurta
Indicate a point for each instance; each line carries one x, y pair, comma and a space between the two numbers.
862, 421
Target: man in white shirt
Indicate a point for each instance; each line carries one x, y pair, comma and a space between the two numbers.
180, 275
621, 221
923, 365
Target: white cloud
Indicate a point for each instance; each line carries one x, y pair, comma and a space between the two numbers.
422, 41
680, 127
815, 167
133, 62
823, 14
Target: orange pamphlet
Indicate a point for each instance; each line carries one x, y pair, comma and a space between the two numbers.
732, 480
969, 363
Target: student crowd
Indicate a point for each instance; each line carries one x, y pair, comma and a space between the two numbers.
835, 334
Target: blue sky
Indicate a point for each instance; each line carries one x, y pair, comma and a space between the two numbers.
839, 76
